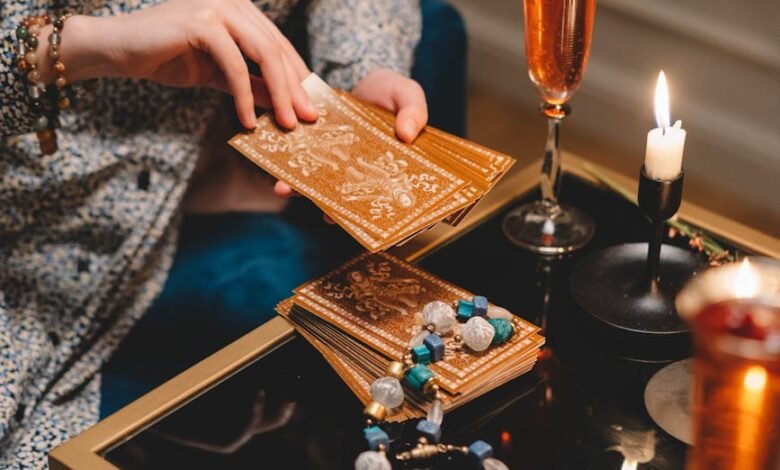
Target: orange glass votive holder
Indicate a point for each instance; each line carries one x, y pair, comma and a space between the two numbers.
734, 315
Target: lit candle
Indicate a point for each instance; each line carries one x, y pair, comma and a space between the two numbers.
663, 156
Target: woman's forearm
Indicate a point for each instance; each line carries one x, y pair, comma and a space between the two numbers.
86, 49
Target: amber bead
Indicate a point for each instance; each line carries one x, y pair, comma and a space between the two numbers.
46, 19
34, 76
59, 67
48, 145
31, 57
22, 64
64, 102
60, 82
35, 30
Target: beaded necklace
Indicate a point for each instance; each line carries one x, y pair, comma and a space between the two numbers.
484, 325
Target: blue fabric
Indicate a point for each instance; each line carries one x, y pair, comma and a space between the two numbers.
229, 272
440, 65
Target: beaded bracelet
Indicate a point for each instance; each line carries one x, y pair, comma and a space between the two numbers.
27, 34
425, 347
55, 39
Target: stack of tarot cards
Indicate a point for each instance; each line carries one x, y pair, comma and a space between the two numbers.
351, 165
364, 314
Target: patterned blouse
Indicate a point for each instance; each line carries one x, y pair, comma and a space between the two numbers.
87, 234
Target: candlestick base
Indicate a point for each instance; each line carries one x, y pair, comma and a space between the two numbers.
612, 286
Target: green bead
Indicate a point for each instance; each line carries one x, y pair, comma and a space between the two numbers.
421, 354
41, 124
464, 310
503, 328
32, 42
22, 32
417, 376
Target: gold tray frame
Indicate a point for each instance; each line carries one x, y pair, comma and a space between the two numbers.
83, 451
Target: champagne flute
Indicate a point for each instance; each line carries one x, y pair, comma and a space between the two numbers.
557, 45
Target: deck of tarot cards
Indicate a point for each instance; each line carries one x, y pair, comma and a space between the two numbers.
351, 165
363, 315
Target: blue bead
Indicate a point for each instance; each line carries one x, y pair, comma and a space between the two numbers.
479, 451
464, 310
480, 305
421, 354
375, 436
436, 346
429, 430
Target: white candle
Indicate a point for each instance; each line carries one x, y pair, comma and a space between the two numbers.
664, 152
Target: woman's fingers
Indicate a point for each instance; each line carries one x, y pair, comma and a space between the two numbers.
261, 48
215, 41
283, 189
412, 115
295, 68
301, 103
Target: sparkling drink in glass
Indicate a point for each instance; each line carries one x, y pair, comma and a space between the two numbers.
557, 44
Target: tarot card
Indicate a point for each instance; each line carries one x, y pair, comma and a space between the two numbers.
349, 168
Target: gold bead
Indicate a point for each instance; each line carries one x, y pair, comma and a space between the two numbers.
59, 67
23, 65
375, 411
408, 362
395, 369
64, 102
431, 387
31, 57
60, 82
458, 338
430, 327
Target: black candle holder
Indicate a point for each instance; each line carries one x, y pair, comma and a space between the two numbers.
631, 288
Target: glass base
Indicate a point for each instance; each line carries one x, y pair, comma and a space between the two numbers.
548, 229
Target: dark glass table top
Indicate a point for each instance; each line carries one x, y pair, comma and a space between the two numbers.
577, 409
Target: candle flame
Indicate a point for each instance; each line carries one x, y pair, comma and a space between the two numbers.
662, 102
746, 282
755, 379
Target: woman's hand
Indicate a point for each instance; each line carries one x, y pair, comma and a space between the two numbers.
194, 43
393, 92
398, 94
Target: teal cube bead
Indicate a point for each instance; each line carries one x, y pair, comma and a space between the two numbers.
375, 437
421, 354
464, 310
418, 375
503, 328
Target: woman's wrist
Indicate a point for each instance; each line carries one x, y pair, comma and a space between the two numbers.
85, 50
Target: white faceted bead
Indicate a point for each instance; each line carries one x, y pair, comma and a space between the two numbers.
418, 338
495, 311
440, 314
388, 392
372, 460
478, 333
435, 413
494, 464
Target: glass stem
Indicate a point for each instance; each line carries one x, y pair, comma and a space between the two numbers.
551, 168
